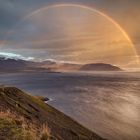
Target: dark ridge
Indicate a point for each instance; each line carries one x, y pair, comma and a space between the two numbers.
99, 67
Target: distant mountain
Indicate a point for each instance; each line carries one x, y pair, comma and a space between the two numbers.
56, 66
7, 64
100, 67
18, 65
62, 67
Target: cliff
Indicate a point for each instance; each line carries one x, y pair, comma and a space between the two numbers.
25, 117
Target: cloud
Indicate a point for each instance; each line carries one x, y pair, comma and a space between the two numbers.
15, 56
125, 12
132, 64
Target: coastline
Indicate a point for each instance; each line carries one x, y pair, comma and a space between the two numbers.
40, 115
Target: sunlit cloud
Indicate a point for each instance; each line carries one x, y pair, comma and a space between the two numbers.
70, 34
7, 55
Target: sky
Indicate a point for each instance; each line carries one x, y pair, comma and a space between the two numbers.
71, 33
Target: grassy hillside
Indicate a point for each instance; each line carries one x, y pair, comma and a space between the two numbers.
25, 117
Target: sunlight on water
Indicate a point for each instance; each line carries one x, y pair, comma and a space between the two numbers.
109, 104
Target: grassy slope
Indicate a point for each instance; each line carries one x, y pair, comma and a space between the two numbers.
40, 120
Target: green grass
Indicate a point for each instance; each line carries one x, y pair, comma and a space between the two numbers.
15, 127
35, 120
12, 130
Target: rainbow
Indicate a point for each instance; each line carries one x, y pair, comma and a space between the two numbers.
93, 10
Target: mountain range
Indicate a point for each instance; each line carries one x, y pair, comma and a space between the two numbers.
19, 65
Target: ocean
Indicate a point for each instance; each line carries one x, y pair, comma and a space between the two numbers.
106, 102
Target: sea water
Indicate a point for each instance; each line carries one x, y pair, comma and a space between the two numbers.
106, 102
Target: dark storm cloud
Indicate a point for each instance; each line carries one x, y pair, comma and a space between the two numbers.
125, 12
11, 12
